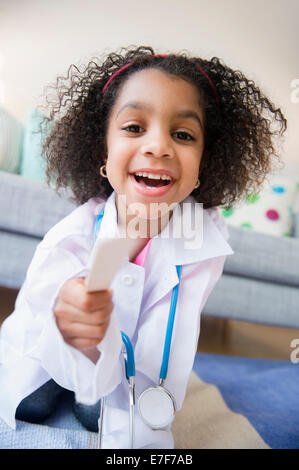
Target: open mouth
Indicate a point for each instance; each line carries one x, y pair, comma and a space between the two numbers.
152, 181
151, 184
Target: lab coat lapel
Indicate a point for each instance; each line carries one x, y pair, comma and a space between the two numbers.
168, 251
108, 228
160, 278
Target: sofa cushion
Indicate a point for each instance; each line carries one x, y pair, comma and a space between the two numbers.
30, 207
255, 301
265, 257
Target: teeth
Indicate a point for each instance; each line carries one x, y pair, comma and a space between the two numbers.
152, 176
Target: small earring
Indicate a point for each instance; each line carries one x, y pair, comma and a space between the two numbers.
103, 171
197, 184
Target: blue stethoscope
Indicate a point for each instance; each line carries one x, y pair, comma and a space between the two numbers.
156, 405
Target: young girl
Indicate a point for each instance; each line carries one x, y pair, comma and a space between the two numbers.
137, 130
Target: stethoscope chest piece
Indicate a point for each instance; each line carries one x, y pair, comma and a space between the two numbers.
156, 407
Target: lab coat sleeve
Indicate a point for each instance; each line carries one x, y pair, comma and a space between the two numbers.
217, 265
216, 270
31, 330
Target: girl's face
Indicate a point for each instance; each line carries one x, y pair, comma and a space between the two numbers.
155, 130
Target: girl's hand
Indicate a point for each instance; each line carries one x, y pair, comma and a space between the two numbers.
82, 317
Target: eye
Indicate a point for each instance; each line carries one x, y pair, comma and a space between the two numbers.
181, 135
134, 128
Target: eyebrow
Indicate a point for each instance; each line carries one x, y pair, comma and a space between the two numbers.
185, 113
190, 114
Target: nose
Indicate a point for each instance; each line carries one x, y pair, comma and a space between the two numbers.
158, 144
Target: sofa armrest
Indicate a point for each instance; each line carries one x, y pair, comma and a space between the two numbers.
30, 207
254, 301
262, 256
16, 252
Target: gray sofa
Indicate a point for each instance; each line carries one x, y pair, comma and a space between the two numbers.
259, 284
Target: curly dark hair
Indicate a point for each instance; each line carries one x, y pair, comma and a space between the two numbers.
239, 130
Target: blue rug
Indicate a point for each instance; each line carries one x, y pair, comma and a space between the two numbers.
266, 392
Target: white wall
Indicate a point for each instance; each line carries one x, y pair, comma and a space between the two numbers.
39, 39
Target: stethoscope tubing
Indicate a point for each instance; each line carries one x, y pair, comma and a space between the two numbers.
100, 432
130, 373
169, 329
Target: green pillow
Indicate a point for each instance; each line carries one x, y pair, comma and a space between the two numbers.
32, 165
11, 134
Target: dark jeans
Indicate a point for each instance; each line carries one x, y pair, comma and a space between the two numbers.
42, 402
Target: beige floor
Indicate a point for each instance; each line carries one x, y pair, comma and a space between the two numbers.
218, 336
235, 338
7, 301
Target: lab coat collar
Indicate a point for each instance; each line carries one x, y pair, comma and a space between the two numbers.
177, 240
167, 251
191, 242
109, 221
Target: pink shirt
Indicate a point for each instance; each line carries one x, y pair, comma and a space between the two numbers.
141, 257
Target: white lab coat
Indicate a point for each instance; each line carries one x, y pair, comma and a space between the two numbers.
33, 351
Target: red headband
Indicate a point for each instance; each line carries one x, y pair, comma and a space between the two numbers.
162, 55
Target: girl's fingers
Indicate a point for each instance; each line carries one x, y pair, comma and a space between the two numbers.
74, 293
82, 318
72, 314
83, 331
82, 343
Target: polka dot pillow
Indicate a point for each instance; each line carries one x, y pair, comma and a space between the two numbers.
269, 211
